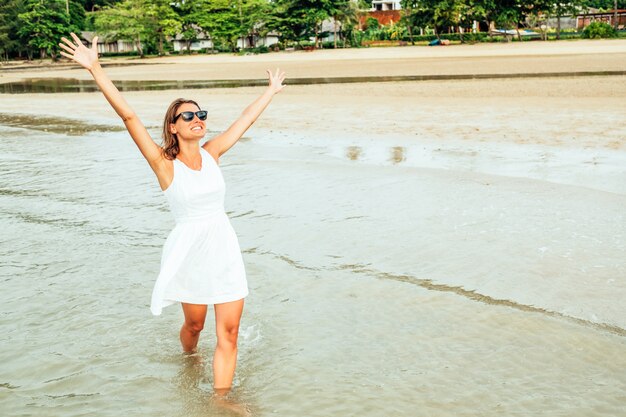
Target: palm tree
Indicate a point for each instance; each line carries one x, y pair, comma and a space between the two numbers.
348, 14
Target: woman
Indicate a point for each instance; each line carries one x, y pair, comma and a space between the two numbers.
201, 262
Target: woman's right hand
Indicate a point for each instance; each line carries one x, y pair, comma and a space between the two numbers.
76, 51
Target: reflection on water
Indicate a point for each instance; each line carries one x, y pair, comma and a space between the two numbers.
353, 152
196, 391
600, 169
70, 85
62, 125
194, 386
397, 154
193, 373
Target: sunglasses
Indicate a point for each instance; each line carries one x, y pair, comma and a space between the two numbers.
187, 116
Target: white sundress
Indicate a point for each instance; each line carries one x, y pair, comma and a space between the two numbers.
201, 261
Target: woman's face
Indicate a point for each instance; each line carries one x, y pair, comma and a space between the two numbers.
194, 129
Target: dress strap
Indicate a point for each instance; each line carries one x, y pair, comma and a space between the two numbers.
203, 152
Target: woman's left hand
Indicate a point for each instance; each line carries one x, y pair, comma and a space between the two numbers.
276, 81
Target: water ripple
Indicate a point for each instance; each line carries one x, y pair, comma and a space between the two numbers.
430, 285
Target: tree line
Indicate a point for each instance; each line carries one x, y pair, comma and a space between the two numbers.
506, 14
33, 28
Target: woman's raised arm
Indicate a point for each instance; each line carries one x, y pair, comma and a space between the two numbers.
88, 58
225, 140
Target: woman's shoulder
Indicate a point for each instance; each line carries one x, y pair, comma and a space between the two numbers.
210, 151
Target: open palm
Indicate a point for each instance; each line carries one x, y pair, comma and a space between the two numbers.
276, 80
78, 52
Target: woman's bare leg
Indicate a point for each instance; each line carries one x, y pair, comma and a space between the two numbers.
195, 314
227, 317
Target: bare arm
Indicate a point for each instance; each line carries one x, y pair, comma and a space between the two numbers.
88, 58
225, 140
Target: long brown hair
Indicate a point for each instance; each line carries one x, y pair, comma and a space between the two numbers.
170, 140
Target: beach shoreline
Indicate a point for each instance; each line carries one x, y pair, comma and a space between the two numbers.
527, 57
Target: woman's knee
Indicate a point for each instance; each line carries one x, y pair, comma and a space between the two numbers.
227, 337
195, 326
195, 315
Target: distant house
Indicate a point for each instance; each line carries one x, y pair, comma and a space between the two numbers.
583, 20
202, 41
329, 27
119, 46
383, 5
256, 40
567, 22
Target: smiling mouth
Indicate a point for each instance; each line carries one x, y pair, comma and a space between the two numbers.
195, 128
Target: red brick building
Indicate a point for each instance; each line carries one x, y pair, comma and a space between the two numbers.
384, 17
583, 20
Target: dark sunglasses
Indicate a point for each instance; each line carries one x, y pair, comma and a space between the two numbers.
187, 116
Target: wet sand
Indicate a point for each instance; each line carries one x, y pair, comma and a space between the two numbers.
553, 110
455, 248
577, 112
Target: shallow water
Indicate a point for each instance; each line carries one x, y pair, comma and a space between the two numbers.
386, 277
72, 85
63, 125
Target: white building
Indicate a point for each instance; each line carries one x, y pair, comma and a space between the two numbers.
202, 42
118, 46
256, 40
385, 5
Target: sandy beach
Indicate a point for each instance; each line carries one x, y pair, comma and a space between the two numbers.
530, 57
456, 247
529, 110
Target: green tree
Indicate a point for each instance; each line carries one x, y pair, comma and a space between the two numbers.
43, 24
299, 20
346, 14
557, 9
606, 4
483, 11
187, 11
252, 18
428, 13
452, 13
350, 16
288, 21
77, 13
162, 20
416, 15
224, 20
315, 12
10, 40
93, 5
508, 14
138, 20
221, 20
124, 21
337, 10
